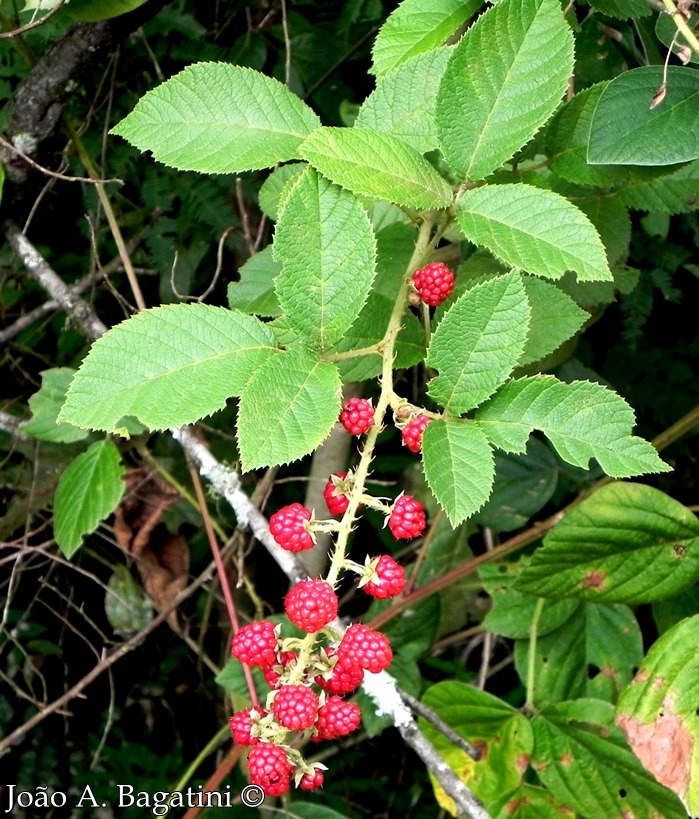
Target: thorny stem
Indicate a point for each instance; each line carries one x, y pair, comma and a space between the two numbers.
387, 347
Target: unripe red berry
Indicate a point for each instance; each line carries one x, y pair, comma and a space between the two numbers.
272, 673
309, 782
270, 768
365, 647
407, 519
388, 578
288, 528
242, 725
346, 676
256, 644
412, 432
336, 502
336, 718
357, 416
295, 707
434, 283
311, 605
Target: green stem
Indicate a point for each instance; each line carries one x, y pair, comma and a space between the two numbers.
387, 347
681, 23
531, 659
208, 749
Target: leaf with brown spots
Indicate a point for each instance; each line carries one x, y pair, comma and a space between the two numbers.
626, 543
601, 778
658, 711
530, 802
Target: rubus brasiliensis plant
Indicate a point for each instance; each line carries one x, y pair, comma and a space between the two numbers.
481, 153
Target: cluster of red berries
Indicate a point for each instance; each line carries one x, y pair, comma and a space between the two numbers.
309, 700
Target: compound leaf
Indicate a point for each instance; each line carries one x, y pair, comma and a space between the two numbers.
254, 291
524, 53
478, 342
626, 131
658, 712
414, 28
535, 229
219, 118
626, 543
327, 249
87, 492
166, 366
287, 409
582, 420
378, 165
458, 463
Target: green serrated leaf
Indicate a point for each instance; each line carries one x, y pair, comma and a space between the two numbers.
626, 543
677, 192
167, 366
327, 249
87, 492
415, 29
126, 604
219, 118
458, 465
92, 11
555, 318
404, 102
626, 131
45, 406
377, 165
287, 409
478, 343
582, 420
272, 192
503, 736
534, 229
512, 611
523, 485
254, 292
576, 744
593, 654
658, 712
485, 116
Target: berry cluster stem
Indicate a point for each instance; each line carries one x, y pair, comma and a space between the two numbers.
425, 241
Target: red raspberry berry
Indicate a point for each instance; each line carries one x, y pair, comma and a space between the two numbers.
336, 502
407, 518
309, 782
272, 673
388, 578
412, 432
365, 647
336, 718
311, 605
270, 768
242, 723
288, 528
256, 644
295, 707
344, 677
357, 416
434, 283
